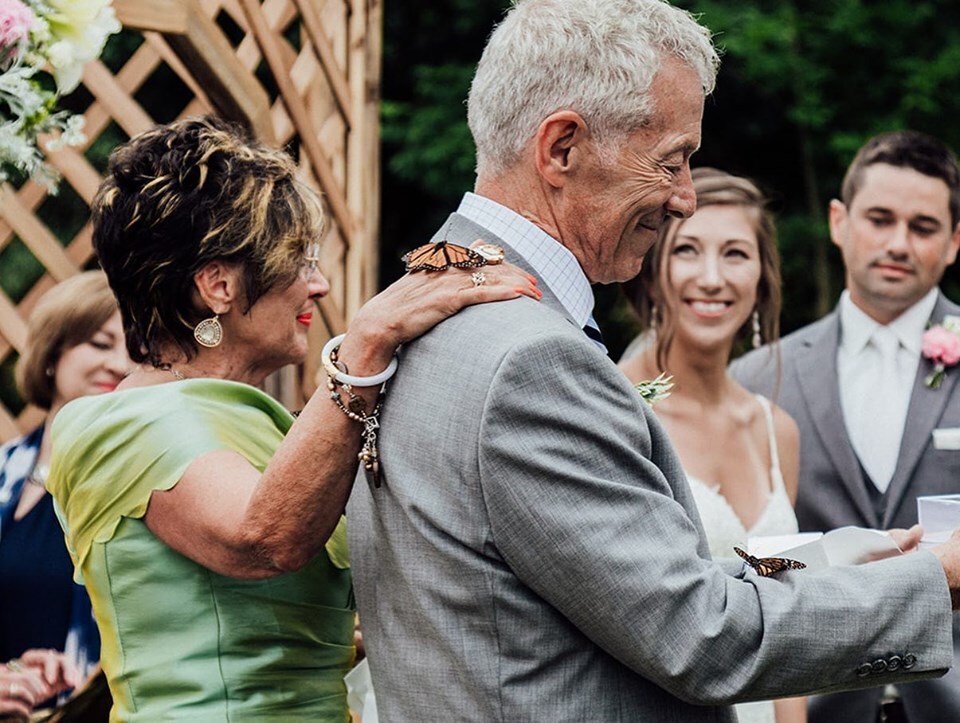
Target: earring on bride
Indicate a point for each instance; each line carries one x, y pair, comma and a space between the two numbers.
756, 340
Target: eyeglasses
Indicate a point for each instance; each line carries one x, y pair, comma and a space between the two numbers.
311, 256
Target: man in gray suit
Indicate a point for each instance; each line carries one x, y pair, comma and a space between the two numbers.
534, 553
867, 446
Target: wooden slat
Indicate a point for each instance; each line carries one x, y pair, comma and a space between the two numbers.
164, 16
116, 101
12, 326
35, 235
328, 62
172, 59
230, 87
269, 46
356, 294
77, 171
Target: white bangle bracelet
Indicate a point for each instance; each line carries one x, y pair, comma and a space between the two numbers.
353, 381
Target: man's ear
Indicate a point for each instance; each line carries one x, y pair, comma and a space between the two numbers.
559, 145
954, 245
218, 286
839, 218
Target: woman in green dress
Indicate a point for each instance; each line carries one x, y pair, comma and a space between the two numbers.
204, 520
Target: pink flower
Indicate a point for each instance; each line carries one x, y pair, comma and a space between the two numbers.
941, 346
16, 19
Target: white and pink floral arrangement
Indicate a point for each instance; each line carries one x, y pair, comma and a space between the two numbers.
44, 45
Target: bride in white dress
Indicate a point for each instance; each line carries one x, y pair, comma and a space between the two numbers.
711, 283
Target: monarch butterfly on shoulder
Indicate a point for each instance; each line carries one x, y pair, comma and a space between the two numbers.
767, 566
440, 256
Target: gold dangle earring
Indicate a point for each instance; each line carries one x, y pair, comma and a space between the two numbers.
756, 340
209, 332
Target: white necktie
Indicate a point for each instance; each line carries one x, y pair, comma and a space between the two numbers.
878, 428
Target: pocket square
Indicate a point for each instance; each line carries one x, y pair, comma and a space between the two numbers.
946, 438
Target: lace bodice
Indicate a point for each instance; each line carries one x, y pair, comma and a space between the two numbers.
723, 527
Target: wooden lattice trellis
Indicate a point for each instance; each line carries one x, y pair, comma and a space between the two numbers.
302, 74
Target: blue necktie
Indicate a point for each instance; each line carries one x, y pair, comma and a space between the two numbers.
593, 331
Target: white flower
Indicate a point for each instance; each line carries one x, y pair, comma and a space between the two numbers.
71, 135
951, 323
655, 390
80, 29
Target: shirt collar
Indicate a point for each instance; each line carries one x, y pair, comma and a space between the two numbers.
857, 328
551, 261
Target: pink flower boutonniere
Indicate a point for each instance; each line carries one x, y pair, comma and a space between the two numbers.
941, 345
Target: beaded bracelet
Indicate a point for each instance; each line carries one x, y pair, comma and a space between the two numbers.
355, 409
328, 359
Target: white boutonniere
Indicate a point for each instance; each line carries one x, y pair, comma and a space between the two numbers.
941, 345
655, 390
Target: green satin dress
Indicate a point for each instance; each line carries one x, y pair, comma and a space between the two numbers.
180, 641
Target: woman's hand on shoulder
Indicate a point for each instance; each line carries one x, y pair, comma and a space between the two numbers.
420, 300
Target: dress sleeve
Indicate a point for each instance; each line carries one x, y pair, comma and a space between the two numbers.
111, 455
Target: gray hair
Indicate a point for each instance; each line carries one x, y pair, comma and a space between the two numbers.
595, 57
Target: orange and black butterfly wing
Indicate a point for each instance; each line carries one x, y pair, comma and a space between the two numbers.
441, 255
767, 566
750, 559
425, 258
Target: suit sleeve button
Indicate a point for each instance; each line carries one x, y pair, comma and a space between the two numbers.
909, 660
863, 670
879, 665
894, 662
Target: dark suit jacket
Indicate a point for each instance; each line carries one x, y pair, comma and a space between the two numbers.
834, 490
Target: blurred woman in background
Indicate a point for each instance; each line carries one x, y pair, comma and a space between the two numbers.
48, 638
710, 283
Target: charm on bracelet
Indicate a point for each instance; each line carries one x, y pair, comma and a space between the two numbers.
356, 409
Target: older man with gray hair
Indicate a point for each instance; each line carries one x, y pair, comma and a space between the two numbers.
534, 552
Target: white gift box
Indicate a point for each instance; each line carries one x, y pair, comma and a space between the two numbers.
939, 515
842, 546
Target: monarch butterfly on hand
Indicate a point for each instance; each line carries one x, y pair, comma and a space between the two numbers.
767, 566
440, 256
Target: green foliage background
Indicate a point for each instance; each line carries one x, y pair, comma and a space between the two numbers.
803, 84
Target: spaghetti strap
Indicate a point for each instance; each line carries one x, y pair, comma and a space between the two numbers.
775, 473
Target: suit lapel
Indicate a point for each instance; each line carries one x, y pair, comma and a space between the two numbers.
820, 389
925, 410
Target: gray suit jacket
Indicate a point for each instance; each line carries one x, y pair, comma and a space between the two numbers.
534, 553
834, 490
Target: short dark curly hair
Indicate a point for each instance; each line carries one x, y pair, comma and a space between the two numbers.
182, 195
